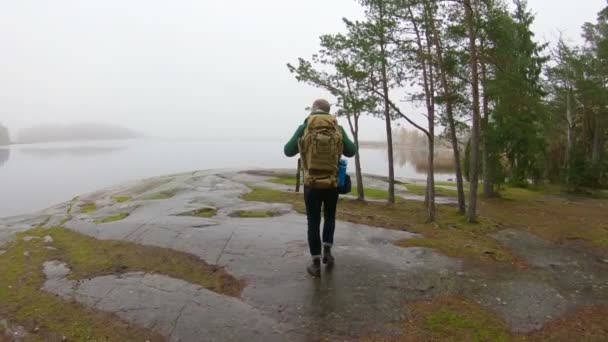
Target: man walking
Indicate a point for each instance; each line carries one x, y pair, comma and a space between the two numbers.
321, 142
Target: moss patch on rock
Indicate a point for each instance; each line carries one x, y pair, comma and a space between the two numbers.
203, 213
88, 208
22, 302
121, 199
113, 218
253, 214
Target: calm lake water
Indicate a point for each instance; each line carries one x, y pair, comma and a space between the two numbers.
36, 176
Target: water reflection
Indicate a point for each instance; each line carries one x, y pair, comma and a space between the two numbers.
5, 154
444, 161
72, 151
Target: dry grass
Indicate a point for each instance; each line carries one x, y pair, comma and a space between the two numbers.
457, 319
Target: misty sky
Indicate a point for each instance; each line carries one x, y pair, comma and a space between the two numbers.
183, 68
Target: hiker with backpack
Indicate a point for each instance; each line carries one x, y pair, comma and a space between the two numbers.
321, 142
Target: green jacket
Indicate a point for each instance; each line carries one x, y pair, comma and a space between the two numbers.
291, 148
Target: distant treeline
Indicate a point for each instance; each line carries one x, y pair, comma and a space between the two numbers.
410, 139
87, 131
4, 136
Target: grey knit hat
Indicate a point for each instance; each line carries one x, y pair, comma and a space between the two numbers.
320, 106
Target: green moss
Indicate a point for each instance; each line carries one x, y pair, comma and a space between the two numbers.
88, 208
113, 218
121, 199
252, 214
203, 213
21, 278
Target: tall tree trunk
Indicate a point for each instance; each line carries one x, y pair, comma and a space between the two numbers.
387, 118
431, 119
570, 134
358, 173
428, 84
353, 123
451, 122
488, 181
474, 159
596, 149
570, 131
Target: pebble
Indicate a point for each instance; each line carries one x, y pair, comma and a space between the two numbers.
605, 261
51, 248
48, 239
460, 273
26, 254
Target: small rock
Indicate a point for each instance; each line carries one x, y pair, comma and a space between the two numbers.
605, 261
2, 251
30, 238
48, 239
498, 299
460, 274
63, 338
26, 254
51, 248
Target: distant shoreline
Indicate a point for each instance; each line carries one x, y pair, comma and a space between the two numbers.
13, 143
382, 144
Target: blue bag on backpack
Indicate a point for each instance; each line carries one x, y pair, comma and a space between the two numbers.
344, 182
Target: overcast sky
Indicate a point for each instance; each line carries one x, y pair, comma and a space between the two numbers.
187, 68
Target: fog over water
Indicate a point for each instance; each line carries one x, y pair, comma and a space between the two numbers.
183, 68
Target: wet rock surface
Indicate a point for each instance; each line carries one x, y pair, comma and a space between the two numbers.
365, 292
177, 309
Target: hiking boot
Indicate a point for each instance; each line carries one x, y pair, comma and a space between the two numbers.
314, 269
328, 259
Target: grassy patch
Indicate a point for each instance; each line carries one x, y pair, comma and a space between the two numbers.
451, 234
554, 218
420, 190
88, 208
291, 181
450, 319
22, 302
121, 199
253, 214
113, 218
372, 193
457, 319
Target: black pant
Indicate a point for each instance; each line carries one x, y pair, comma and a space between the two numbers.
314, 198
